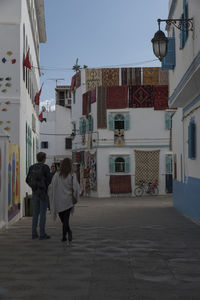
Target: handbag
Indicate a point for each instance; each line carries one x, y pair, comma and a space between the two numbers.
74, 200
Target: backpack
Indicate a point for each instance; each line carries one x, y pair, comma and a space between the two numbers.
35, 178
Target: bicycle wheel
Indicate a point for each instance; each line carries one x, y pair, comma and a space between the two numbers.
138, 191
154, 191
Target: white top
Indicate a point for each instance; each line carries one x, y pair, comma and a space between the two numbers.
60, 193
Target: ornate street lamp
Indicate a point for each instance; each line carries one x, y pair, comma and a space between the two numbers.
160, 41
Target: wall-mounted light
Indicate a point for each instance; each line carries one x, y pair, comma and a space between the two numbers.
160, 41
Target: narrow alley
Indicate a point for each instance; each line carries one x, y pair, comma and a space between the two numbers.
123, 248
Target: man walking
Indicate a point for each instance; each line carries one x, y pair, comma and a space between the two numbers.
38, 179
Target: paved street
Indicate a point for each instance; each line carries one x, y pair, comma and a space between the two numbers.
140, 249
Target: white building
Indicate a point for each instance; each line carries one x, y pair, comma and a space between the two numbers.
121, 123
56, 130
22, 27
184, 93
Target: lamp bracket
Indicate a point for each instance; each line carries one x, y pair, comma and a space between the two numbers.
178, 23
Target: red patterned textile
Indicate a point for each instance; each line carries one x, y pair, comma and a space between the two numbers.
78, 79
78, 157
110, 77
120, 184
117, 97
73, 82
86, 103
161, 97
93, 95
131, 76
101, 107
141, 96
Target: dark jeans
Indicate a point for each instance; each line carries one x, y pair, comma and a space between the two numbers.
39, 208
64, 217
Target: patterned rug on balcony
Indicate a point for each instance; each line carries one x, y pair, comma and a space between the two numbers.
141, 96
92, 78
161, 97
150, 76
110, 77
131, 76
117, 97
101, 107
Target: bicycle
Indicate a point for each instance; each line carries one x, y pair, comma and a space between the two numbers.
150, 188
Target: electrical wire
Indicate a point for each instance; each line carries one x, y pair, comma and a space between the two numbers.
47, 68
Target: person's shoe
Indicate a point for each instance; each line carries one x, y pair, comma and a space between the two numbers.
63, 239
45, 237
35, 237
70, 236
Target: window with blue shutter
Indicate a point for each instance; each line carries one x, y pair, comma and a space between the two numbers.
87, 125
111, 122
168, 120
81, 127
127, 122
119, 164
169, 61
192, 139
127, 164
111, 165
184, 31
84, 126
168, 164
90, 124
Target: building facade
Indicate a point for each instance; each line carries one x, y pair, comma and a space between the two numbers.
56, 129
22, 28
183, 64
122, 130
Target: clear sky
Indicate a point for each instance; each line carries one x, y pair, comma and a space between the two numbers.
100, 33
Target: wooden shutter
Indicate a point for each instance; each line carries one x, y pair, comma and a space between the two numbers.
168, 62
168, 164
168, 120
81, 127
192, 140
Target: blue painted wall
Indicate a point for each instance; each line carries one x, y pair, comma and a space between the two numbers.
186, 197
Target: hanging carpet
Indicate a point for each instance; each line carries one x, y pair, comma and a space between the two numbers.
101, 107
110, 77
141, 96
150, 76
163, 77
93, 95
117, 97
131, 76
146, 166
161, 97
120, 184
92, 78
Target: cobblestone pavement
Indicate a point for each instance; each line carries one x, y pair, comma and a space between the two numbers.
123, 248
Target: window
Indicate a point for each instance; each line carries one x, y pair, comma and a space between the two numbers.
61, 95
168, 119
68, 143
119, 121
119, 164
44, 145
184, 31
169, 61
192, 139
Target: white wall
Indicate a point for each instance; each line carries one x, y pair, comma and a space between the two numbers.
55, 130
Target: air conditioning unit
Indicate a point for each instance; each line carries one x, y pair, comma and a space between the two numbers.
68, 102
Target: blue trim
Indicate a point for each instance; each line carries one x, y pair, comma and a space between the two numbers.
172, 8
195, 63
186, 197
125, 147
191, 104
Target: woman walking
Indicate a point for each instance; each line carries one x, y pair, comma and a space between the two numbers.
60, 196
